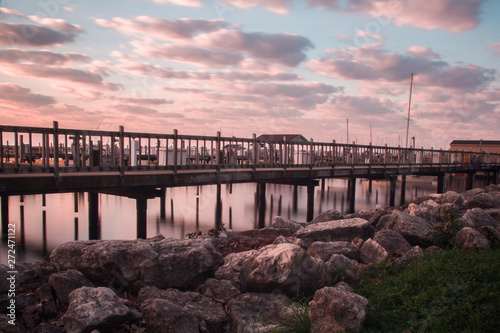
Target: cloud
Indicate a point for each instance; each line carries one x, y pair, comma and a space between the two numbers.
452, 15
133, 109
37, 31
422, 52
162, 28
277, 6
495, 47
43, 57
11, 93
188, 3
147, 101
373, 63
285, 49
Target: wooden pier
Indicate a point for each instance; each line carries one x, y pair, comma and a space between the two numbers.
141, 165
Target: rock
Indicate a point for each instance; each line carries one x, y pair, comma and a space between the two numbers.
67, 256
97, 309
47, 301
416, 210
324, 250
219, 290
263, 233
335, 309
373, 252
471, 239
392, 242
6, 327
451, 197
375, 215
494, 213
414, 253
32, 275
433, 249
282, 240
258, 312
47, 328
475, 191
232, 267
343, 269
329, 215
493, 234
286, 268
281, 223
444, 211
357, 243
483, 201
169, 310
340, 230
477, 218
129, 265
65, 282
414, 229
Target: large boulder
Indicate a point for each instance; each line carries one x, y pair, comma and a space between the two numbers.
97, 309
324, 250
340, 230
414, 229
419, 211
415, 252
337, 309
231, 270
482, 200
281, 223
169, 310
329, 215
259, 312
286, 268
373, 253
65, 282
392, 242
477, 218
129, 265
33, 274
343, 269
221, 291
471, 239
450, 197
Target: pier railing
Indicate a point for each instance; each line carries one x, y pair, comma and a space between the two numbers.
56, 150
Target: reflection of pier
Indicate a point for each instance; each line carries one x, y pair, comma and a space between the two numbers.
142, 165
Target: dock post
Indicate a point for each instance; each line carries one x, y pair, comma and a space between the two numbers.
403, 190
469, 180
5, 216
218, 207
261, 201
488, 178
163, 213
440, 183
94, 225
392, 193
495, 178
351, 185
142, 208
310, 203
295, 198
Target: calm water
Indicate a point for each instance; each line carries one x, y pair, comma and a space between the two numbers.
41, 228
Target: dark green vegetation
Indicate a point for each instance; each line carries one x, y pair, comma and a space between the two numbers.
298, 321
453, 291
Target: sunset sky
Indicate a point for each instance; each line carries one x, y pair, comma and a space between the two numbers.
255, 66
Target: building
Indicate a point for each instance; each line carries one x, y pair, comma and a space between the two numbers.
294, 138
487, 146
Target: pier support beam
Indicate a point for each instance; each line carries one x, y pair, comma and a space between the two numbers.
392, 191
440, 183
351, 192
310, 203
163, 214
469, 181
218, 208
142, 209
495, 177
261, 201
94, 223
403, 190
5, 215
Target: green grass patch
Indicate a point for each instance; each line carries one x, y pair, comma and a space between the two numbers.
453, 291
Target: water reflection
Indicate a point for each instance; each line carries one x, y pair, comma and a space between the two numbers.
43, 222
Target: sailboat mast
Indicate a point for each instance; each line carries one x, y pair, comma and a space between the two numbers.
409, 107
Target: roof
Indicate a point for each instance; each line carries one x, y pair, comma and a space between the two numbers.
279, 137
475, 142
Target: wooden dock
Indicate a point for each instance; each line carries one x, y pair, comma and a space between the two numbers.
141, 165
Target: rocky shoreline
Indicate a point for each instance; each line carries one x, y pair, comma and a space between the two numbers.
239, 281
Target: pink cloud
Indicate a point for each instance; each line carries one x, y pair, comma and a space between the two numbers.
277, 6
43, 57
162, 28
377, 64
188, 3
37, 31
495, 47
422, 52
452, 15
11, 93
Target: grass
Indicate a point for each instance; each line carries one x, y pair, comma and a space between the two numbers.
453, 291
298, 321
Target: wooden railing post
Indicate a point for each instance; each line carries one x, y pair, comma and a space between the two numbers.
1, 150
55, 139
219, 152
255, 152
16, 149
122, 153
174, 147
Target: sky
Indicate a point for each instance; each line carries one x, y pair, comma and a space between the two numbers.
327, 69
